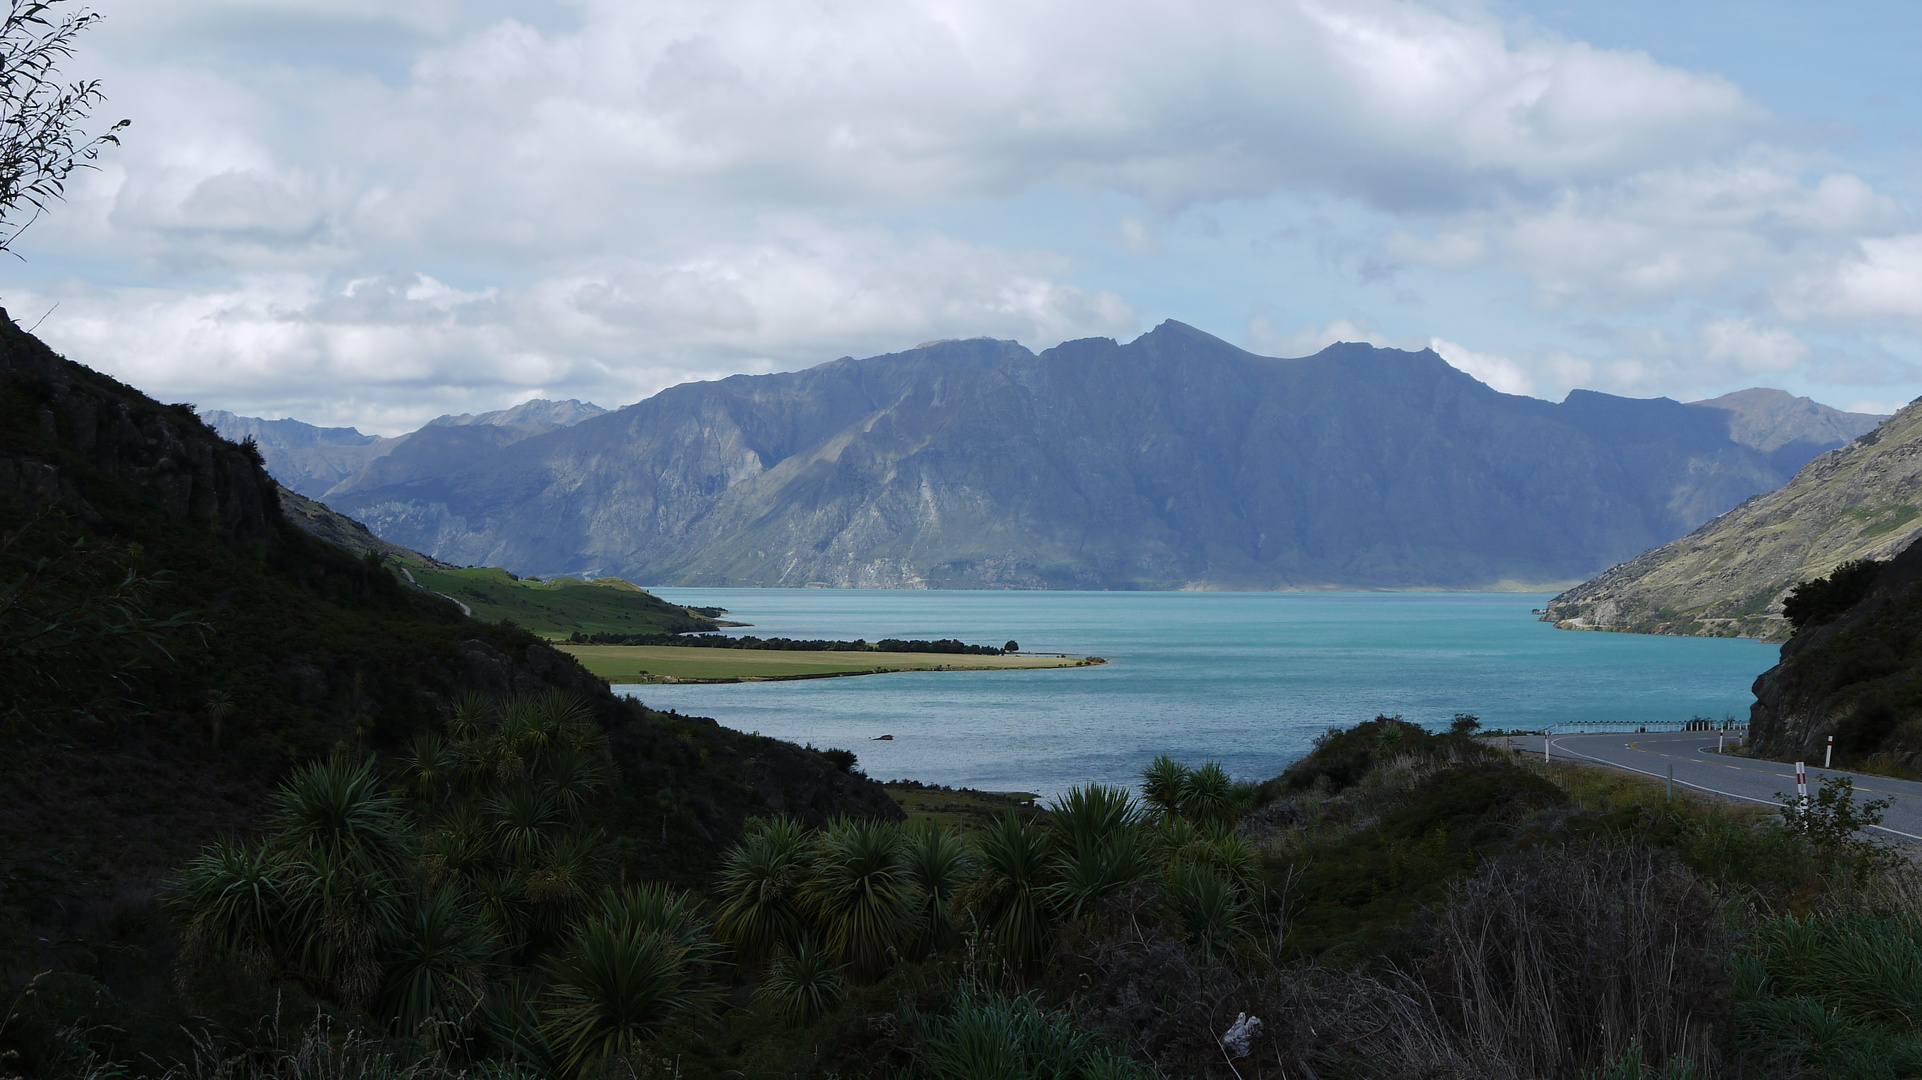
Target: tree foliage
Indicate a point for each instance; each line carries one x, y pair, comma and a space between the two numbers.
41, 115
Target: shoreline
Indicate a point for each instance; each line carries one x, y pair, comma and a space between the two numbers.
693, 665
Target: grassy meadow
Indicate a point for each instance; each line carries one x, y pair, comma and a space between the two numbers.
659, 663
560, 606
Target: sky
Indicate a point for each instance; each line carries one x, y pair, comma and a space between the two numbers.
357, 212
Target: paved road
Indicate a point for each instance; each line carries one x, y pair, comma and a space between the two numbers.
1698, 766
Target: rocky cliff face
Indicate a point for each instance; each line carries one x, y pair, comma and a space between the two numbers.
1174, 461
1728, 577
121, 435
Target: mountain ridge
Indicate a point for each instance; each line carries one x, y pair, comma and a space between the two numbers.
1174, 461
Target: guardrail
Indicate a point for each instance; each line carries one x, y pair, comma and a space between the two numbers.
1611, 727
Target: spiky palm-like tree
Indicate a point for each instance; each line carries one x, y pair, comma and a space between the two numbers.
233, 902
939, 861
1086, 816
657, 908
760, 888
862, 897
803, 984
1088, 871
439, 966
461, 847
573, 778
525, 816
343, 913
1208, 795
1161, 785
335, 809
431, 767
1010, 894
472, 715
562, 879
1212, 908
613, 989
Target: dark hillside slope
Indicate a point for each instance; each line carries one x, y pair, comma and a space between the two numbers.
105, 786
1173, 461
1856, 674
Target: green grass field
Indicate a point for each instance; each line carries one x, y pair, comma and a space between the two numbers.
561, 606
656, 663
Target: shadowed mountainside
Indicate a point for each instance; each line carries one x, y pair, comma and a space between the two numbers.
1173, 461
173, 644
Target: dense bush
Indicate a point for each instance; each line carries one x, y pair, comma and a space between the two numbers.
1813, 603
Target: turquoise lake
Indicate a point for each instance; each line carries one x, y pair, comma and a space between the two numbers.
1247, 679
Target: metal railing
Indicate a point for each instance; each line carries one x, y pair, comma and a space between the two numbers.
1613, 727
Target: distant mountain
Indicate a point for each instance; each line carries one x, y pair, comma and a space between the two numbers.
312, 460
1175, 461
1789, 429
305, 458
1728, 577
539, 415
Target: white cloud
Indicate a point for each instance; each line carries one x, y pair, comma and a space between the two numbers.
1884, 277
609, 196
391, 352
1264, 337
1740, 344
1497, 371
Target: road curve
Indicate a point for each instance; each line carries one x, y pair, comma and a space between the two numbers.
1699, 767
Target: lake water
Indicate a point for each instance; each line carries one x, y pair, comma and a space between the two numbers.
1247, 679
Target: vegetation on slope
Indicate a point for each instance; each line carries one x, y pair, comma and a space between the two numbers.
561, 606
1511, 920
173, 648
1730, 577
1853, 670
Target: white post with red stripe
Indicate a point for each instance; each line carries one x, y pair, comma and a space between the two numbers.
1829, 754
1802, 785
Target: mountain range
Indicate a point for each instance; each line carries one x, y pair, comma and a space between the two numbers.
1173, 461
310, 460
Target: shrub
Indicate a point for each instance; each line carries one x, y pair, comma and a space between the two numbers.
613, 989
862, 896
803, 984
760, 889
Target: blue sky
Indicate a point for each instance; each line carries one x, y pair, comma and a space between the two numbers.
355, 212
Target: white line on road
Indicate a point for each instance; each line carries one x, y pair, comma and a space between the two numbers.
1699, 787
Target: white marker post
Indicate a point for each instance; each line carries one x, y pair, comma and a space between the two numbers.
1718, 743
1802, 785
1544, 747
1829, 754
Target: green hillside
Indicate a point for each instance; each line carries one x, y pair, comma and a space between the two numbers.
561, 606
172, 649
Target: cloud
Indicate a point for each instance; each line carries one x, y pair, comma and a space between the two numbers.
1741, 344
1497, 371
1264, 337
1882, 278
394, 351
392, 209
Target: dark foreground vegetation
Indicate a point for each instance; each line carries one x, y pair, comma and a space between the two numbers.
1853, 670
173, 652
781, 644
1397, 904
